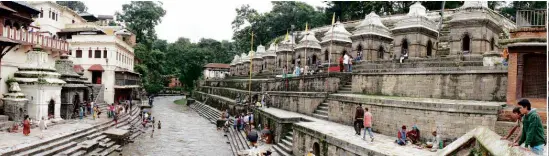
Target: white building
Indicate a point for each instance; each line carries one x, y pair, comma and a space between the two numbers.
216, 70
105, 53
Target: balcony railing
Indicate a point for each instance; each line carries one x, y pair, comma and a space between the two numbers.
34, 38
126, 82
531, 18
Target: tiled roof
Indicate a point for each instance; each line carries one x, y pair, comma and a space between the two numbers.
217, 65
96, 67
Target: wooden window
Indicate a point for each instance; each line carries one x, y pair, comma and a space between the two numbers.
49, 14
90, 55
78, 53
104, 53
97, 53
41, 13
70, 52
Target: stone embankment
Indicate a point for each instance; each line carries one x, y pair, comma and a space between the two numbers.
88, 141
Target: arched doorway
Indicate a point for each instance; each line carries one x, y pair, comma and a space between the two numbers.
316, 148
298, 60
76, 104
314, 59
429, 48
279, 63
326, 56
359, 52
465, 45
492, 44
404, 47
380, 53
51, 107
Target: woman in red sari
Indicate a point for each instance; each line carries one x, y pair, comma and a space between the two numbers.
26, 126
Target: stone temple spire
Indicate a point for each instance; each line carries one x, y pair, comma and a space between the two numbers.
339, 34
416, 18
417, 10
235, 60
245, 58
474, 4
309, 41
372, 25
271, 51
260, 51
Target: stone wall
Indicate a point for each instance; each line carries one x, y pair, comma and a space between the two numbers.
465, 85
301, 102
280, 127
389, 113
219, 103
309, 83
305, 138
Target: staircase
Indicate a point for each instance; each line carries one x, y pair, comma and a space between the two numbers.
321, 111
237, 139
98, 93
75, 143
284, 147
346, 88
4, 123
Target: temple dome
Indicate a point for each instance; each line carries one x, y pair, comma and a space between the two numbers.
271, 51
260, 51
372, 25
309, 41
244, 58
474, 4
337, 33
254, 55
416, 18
286, 45
235, 60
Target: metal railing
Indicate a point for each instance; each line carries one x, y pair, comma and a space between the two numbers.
531, 18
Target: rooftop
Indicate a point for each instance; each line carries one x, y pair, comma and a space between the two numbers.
217, 65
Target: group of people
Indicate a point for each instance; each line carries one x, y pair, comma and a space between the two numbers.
89, 108
531, 132
363, 120
346, 63
27, 126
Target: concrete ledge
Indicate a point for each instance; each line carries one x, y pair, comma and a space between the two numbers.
489, 140
441, 105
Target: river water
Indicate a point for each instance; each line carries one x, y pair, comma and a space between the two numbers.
184, 132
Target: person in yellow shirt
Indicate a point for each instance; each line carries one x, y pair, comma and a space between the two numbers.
310, 153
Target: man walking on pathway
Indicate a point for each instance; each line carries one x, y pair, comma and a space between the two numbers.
533, 135
368, 125
359, 116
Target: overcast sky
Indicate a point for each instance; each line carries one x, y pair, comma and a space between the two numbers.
192, 19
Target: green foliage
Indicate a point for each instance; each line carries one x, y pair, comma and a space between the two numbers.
182, 101
511, 10
76, 6
10, 80
141, 17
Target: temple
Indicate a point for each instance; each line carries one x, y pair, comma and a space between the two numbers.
54, 59
456, 79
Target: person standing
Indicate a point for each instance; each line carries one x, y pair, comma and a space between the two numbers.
43, 127
253, 136
533, 135
159, 124
368, 125
26, 126
92, 106
340, 64
359, 119
346, 59
518, 117
310, 152
81, 113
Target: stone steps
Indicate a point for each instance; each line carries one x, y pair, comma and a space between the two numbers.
79, 153
236, 139
321, 110
66, 139
284, 147
58, 149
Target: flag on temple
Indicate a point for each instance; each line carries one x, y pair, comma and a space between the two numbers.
333, 18
287, 36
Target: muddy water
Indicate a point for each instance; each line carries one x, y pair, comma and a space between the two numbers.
183, 132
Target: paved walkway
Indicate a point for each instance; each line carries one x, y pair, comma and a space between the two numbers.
18, 139
382, 143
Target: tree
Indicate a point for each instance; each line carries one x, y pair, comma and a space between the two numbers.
141, 17
76, 6
267, 26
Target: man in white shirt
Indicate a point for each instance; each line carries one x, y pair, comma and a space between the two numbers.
346, 62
